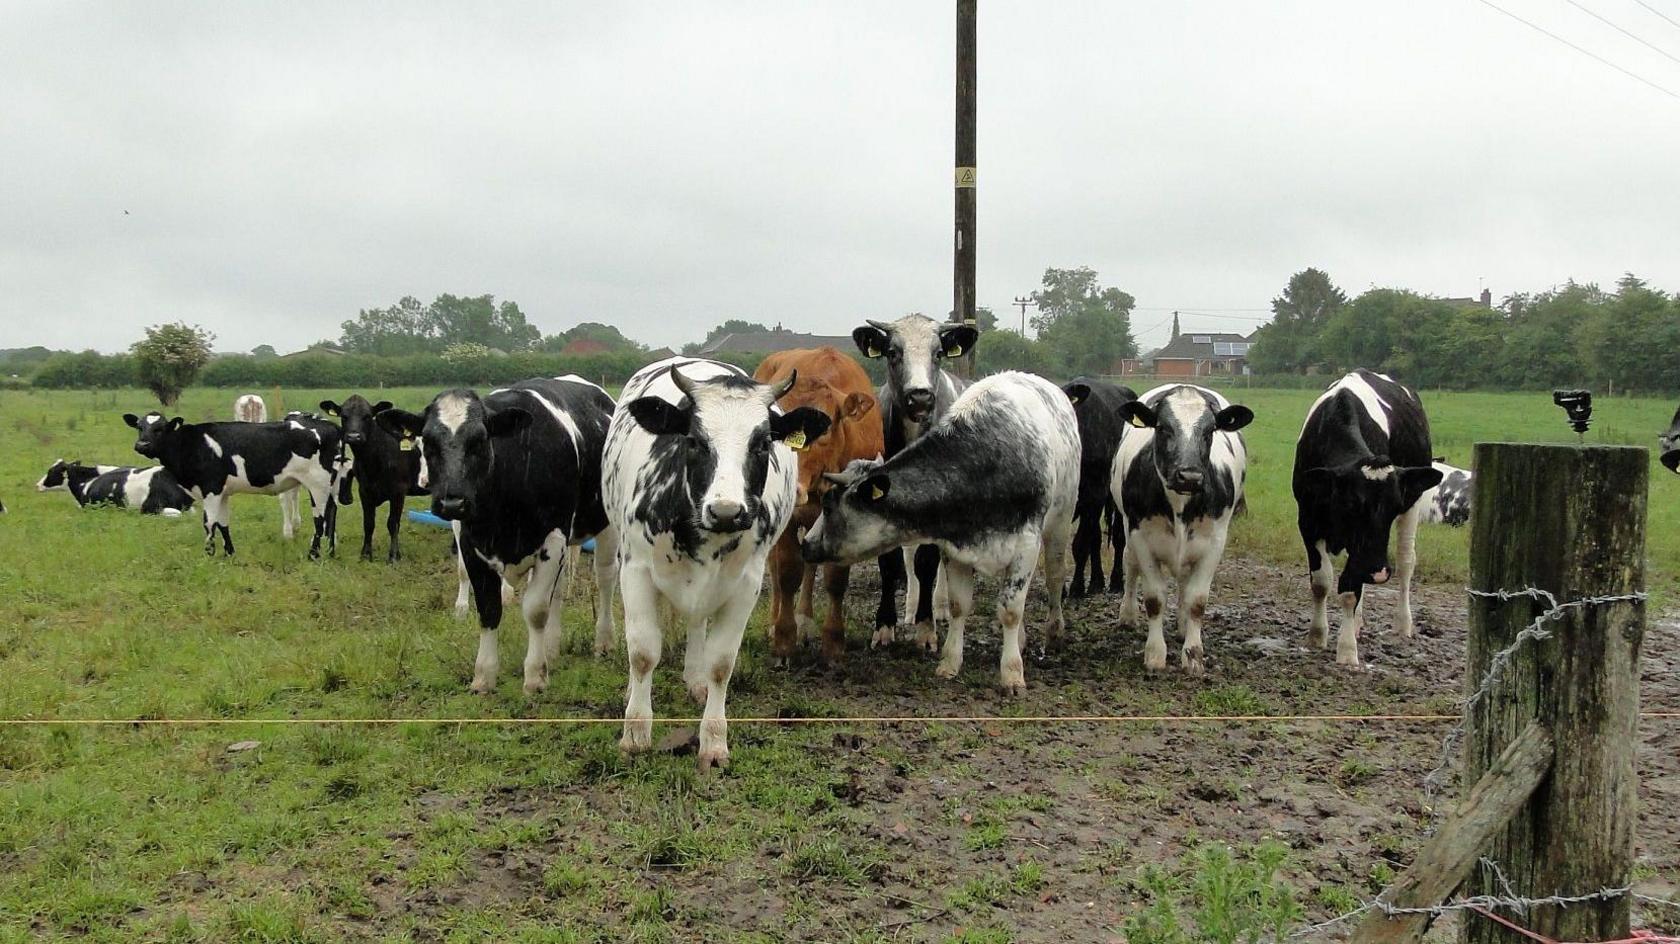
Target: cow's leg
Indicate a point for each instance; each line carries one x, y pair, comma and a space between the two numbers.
1055, 548
485, 583
835, 579
1116, 540
1154, 584
368, 511
886, 615
289, 517
805, 614
1082, 554
320, 501
1128, 585
606, 582
393, 526
1405, 538
1193, 589
1353, 619
461, 573
927, 584
643, 640
542, 608
1012, 603
958, 604
694, 660
787, 572
216, 514
723, 644
1323, 577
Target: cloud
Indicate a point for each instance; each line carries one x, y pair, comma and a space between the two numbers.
663, 167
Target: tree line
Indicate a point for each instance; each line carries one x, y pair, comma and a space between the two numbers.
1574, 334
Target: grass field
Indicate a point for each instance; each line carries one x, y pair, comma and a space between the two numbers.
410, 831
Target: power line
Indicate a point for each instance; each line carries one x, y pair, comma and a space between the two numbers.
1623, 31
1190, 308
1584, 52
1658, 12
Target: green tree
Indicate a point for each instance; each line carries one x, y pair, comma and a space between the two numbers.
1086, 328
1290, 341
592, 331
1006, 349
400, 329
264, 351
169, 358
478, 319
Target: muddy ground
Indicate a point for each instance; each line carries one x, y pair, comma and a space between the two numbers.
1089, 803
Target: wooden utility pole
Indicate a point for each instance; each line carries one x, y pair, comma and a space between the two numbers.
1569, 520
962, 275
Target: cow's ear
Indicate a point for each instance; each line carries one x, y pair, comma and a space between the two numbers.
872, 341
1671, 460
131, 420
399, 423
1138, 413
175, 424
956, 339
1415, 480
330, 408
1077, 392
875, 488
382, 405
1320, 480
659, 417
1233, 417
857, 405
797, 429
507, 421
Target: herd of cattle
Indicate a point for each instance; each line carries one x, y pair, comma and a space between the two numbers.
701, 477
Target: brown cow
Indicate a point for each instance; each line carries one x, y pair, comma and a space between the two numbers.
837, 385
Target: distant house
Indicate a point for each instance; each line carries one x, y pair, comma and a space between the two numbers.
1484, 301
659, 354
1197, 354
584, 346
769, 342
331, 350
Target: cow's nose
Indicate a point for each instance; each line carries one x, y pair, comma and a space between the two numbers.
449, 508
727, 516
1185, 480
919, 399
354, 439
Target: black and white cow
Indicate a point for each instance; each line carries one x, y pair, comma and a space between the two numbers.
215, 461
1669, 445
701, 478
1362, 465
992, 485
251, 408
386, 468
519, 472
1178, 477
916, 394
1097, 404
1449, 502
151, 490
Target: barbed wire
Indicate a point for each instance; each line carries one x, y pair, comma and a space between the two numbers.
1501, 659
1517, 903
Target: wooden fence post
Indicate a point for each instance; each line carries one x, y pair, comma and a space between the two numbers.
1569, 520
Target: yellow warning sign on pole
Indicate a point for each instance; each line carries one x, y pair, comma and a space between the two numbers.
965, 177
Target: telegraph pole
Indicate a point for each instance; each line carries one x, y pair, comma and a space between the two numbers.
962, 276
1024, 301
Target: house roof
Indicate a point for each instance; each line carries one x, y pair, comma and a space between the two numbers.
769, 342
1198, 345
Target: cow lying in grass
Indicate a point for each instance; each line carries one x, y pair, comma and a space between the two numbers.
992, 484
150, 491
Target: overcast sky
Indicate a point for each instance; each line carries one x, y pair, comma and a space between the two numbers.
662, 166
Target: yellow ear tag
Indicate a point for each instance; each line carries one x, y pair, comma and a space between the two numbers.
955, 351
1138, 422
406, 444
1075, 399
871, 352
795, 440
878, 493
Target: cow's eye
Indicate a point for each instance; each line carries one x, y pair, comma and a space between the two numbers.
894, 356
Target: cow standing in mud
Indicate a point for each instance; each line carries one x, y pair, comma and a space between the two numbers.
1097, 404
917, 393
1178, 477
1361, 465
836, 385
